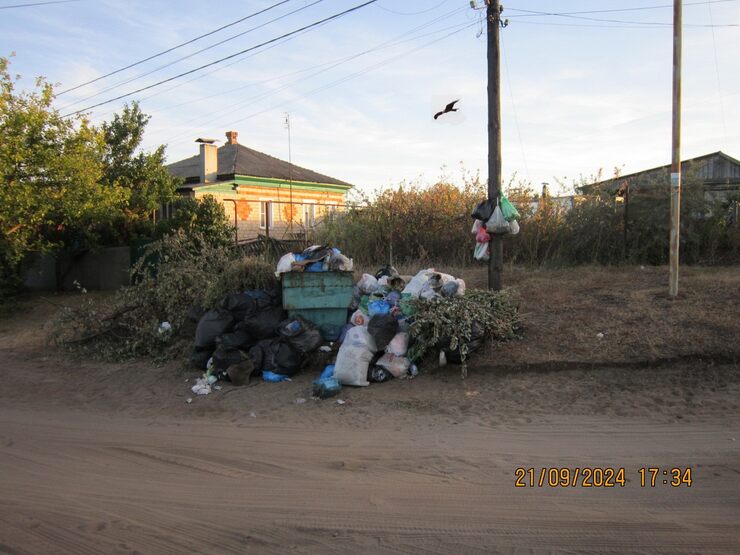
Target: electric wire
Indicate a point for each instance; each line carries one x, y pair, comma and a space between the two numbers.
332, 17
36, 4
209, 33
173, 62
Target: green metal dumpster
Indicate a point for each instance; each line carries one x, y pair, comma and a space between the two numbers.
320, 297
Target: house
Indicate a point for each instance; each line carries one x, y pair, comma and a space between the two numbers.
718, 174
263, 195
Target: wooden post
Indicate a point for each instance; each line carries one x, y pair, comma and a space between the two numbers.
676, 153
493, 13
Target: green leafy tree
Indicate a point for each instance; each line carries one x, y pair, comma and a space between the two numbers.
205, 217
143, 174
50, 176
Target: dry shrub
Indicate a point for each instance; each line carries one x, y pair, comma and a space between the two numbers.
176, 274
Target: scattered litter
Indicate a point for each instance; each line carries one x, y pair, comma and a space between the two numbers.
341, 402
253, 415
600, 335
325, 349
217, 387
273, 377
201, 387
189, 400
164, 327
300, 401
442, 358
326, 387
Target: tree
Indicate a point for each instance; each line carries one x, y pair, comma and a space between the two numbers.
50, 173
143, 174
205, 216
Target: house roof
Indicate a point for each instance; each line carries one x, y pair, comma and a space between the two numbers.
236, 159
728, 170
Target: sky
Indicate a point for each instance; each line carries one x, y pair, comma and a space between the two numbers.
580, 92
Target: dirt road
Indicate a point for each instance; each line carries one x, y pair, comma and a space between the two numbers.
81, 482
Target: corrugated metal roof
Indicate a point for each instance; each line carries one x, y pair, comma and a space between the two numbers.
236, 159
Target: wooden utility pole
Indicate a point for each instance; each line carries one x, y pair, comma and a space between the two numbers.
493, 14
676, 152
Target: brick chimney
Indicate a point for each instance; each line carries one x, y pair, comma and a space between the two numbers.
231, 137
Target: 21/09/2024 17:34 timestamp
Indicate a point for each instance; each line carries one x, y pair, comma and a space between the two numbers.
600, 477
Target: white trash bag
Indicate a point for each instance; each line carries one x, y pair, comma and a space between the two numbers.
497, 224
367, 284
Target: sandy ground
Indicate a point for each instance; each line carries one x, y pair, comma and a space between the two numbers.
110, 458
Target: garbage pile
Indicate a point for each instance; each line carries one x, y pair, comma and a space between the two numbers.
314, 259
492, 218
251, 334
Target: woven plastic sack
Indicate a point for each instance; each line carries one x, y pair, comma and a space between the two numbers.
510, 213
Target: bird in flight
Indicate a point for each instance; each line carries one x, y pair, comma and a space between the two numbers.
449, 108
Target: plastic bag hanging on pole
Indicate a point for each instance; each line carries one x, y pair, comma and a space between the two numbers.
509, 211
481, 252
483, 210
497, 224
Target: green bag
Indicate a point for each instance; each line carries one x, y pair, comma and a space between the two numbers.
510, 213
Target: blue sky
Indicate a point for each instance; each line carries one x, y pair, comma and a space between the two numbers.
577, 94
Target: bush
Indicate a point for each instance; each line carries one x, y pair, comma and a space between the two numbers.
204, 216
177, 273
453, 318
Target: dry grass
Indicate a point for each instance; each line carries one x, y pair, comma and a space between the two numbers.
565, 309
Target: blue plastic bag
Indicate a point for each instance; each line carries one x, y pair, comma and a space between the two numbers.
273, 377
316, 267
327, 373
378, 307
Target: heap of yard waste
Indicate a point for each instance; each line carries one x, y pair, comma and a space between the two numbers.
386, 328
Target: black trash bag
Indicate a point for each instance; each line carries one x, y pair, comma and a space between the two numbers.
237, 339
239, 305
199, 358
389, 271
483, 210
213, 323
317, 253
195, 313
376, 374
382, 328
223, 357
476, 342
264, 324
301, 334
276, 356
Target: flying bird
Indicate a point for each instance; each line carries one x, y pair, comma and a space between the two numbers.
449, 108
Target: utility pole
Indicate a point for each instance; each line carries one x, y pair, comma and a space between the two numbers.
676, 152
493, 14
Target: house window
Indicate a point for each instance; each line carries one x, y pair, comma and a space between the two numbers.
309, 215
265, 214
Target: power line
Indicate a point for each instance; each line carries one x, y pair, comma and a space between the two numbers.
513, 109
239, 60
641, 23
412, 13
335, 16
37, 4
390, 43
174, 47
719, 84
531, 13
173, 62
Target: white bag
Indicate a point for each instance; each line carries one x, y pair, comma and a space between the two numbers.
497, 224
399, 345
460, 287
352, 364
367, 284
398, 366
514, 227
481, 251
416, 284
285, 264
359, 318
477, 224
